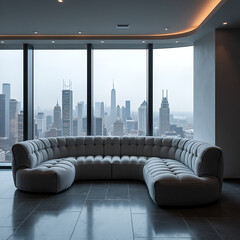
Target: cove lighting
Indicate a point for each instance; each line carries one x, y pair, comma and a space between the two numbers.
199, 17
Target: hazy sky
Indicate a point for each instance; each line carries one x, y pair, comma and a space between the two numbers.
173, 70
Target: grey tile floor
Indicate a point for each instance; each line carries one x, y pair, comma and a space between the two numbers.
111, 210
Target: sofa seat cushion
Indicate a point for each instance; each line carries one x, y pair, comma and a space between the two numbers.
93, 167
128, 167
170, 182
50, 176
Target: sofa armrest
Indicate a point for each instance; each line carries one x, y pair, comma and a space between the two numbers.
210, 163
25, 155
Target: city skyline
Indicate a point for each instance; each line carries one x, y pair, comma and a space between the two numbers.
67, 120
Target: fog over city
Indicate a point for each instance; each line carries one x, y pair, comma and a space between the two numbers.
125, 68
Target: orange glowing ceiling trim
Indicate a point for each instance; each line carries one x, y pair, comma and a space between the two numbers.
204, 13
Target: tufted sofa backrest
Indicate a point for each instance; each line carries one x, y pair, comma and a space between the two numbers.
196, 155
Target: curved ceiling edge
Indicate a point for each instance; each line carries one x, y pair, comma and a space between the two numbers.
211, 7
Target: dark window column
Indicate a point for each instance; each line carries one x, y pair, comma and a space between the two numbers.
150, 89
28, 92
89, 89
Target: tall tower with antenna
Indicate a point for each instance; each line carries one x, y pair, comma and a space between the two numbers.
113, 114
164, 115
67, 109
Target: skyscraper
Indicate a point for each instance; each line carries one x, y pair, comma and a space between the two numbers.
2, 115
20, 126
49, 121
123, 114
127, 107
118, 125
164, 115
98, 126
57, 117
67, 112
80, 111
13, 121
113, 114
75, 127
142, 118
6, 91
40, 122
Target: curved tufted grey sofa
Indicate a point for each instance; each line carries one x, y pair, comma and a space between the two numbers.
176, 171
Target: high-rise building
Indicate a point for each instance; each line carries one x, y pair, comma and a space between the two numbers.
99, 109
13, 121
57, 120
40, 122
20, 126
75, 127
113, 114
2, 115
128, 110
6, 92
67, 112
98, 126
49, 121
164, 115
118, 124
80, 109
142, 118
123, 114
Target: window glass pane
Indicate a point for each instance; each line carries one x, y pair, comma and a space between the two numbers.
60, 93
173, 92
11, 100
119, 92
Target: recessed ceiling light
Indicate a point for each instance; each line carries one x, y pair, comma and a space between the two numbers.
36, 32
143, 41
225, 23
79, 32
102, 41
176, 41
60, 1
53, 41
166, 28
2, 41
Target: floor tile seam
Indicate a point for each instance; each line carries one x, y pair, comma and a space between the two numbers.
220, 236
84, 202
131, 212
25, 220
187, 225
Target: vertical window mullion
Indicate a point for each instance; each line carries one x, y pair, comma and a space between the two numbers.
149, 90
89, 89
28, 119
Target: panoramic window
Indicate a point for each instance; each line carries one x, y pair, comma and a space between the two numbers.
120, 92
60, 93
11, 102
173, 92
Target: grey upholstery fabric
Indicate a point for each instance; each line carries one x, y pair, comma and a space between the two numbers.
176, 170
168, 180
93, 167
128, 167
50, 176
